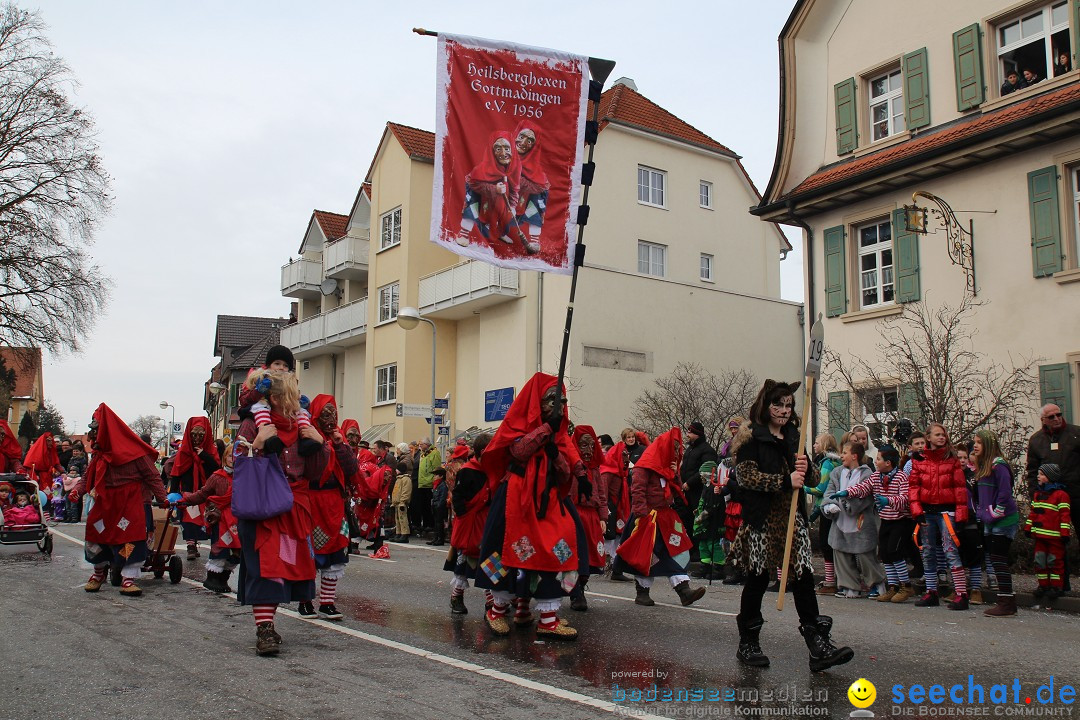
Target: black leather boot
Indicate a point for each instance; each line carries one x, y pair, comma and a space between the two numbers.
823, 654
642, 597
217, 582
749, 652
688, 595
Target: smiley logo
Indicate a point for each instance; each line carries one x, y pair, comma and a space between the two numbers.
862, 693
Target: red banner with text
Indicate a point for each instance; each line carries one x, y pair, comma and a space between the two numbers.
510, 126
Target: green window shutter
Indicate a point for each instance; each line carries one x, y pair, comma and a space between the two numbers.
839, 413
835, 275
1076, 31
847, 134
967, 60
1045, 222
916, 90
1055, 386
907, 401
905, 260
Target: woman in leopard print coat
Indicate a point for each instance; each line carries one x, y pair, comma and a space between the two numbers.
768, 470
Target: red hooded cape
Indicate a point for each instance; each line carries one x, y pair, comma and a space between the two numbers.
116, 444
10, 447
598, 452
490, 171
532, 163
41, 459
664, 450
531, 542
328, 503
187, 458
346, 425
521, 419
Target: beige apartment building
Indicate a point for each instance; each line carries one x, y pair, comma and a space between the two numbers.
880, 100
676, 270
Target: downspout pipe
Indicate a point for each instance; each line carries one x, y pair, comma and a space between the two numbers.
811, 305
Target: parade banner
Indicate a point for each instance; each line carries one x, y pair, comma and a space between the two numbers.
509, 138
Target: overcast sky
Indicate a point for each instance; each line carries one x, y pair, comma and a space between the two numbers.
224, 125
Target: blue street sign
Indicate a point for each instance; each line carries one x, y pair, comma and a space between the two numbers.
497, 403
445, 430
442, 403
439, 420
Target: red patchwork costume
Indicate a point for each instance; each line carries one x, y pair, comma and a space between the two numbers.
531, 526
120, 478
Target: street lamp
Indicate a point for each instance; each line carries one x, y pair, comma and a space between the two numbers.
407, 319
168, 448
960, 241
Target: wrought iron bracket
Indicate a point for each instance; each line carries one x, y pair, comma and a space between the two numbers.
960, 241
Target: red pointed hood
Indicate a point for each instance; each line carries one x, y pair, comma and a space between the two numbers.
187, 457
664, 450
116, 443
598, 452
42, 457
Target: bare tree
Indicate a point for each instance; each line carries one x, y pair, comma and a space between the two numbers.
149, 425
693, 393
53, 193
930, 354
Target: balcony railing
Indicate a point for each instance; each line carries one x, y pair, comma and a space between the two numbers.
457, 291
346, 325
301, 278
346, 258
322, 334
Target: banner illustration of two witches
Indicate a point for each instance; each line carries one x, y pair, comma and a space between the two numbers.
509, 138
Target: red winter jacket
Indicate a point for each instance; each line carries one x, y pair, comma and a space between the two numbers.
937, 485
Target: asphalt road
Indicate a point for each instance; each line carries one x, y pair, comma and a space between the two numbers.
180, 651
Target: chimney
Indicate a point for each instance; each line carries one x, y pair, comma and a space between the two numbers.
628, 82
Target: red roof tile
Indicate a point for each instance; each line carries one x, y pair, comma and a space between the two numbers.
26, 362
332, 224
937, 140
418, 144
622, 104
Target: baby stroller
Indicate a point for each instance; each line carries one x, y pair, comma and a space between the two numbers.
32, 534
162, 556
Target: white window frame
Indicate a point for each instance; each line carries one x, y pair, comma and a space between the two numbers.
1045, 34
705, 194
885, 419
884, 275
652, 186
1074, 173
386, 384
389, 302
390, 228
656, 259
890, 99
706, 267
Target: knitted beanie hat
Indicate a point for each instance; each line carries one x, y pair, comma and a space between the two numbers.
280, 352
1052, 472
707, 468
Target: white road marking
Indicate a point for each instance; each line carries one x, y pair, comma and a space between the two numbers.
664, 604
556, 692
